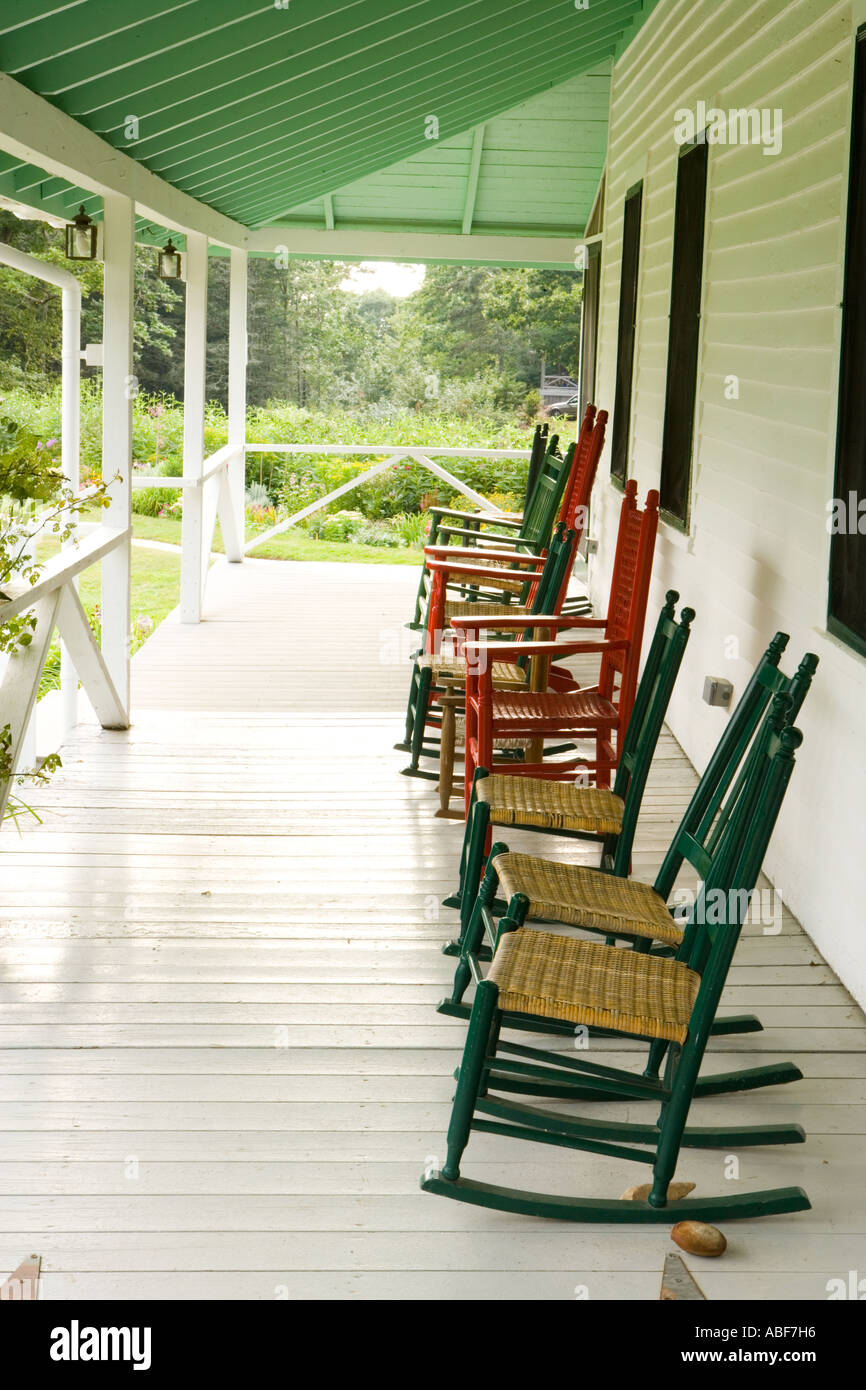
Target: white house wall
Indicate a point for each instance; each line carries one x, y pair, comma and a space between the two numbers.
756, 557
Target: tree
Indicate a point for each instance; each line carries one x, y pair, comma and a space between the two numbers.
470, 334
31, 311
542, 308
474, 320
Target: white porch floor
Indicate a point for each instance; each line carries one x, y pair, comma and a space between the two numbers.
220, 1066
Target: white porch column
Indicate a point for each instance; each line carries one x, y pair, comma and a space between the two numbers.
70, 443
118, 390
237, 394
193, 426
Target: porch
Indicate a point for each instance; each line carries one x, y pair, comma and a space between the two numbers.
221, 1071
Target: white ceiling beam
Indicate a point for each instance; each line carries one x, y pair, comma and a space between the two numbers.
472, 181
373, 245
34, 131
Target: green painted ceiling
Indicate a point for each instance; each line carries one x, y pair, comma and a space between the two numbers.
295, 113
538, 172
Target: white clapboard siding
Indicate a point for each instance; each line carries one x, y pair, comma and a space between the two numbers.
756, 557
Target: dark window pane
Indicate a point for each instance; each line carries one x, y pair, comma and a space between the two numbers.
625, 338
848, 547
684, 334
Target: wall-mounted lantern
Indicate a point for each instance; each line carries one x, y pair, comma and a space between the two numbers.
81, 237
168, 266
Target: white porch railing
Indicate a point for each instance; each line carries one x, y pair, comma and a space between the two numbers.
54, 602
214, 483
394, 454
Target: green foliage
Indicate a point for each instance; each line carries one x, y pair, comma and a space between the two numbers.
153, 501
34, 500
297, 480
16, 808
30, 316
412, 528
30, 475
469, 340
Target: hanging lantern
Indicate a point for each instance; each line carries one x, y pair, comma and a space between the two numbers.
169, 262
81, 238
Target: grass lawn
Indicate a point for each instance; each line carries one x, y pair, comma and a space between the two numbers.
289, 545
155, 581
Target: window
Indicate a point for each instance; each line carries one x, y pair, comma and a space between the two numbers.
684, 332
625, 335
847, 608
589, 324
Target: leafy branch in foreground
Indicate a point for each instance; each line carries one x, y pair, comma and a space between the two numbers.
35, 500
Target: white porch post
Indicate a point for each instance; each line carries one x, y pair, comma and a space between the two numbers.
193, 426
118, 389
70, 442
237, 395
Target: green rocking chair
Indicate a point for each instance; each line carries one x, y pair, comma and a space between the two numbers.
440, 517
530, 534
584, 897
431, 668
671, 1003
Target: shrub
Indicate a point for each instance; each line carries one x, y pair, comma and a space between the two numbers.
376, 533
257, 496
411, 528
506, 501
339, 526
153, 501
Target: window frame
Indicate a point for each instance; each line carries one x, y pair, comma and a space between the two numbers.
590, 306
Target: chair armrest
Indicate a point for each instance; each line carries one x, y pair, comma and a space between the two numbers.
554, 620
478, 536
499, 518
520, 557
482, 537
448, 567
503, 651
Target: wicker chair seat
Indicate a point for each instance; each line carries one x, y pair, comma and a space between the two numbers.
499, 744
559, 977
482, 609
551, 805
507, 675
584, 897
583, 708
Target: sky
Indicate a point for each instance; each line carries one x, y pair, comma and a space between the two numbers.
398, 279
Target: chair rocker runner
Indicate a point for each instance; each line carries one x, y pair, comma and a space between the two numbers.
671, 1003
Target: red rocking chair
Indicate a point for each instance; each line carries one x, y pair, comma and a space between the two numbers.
555, 706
